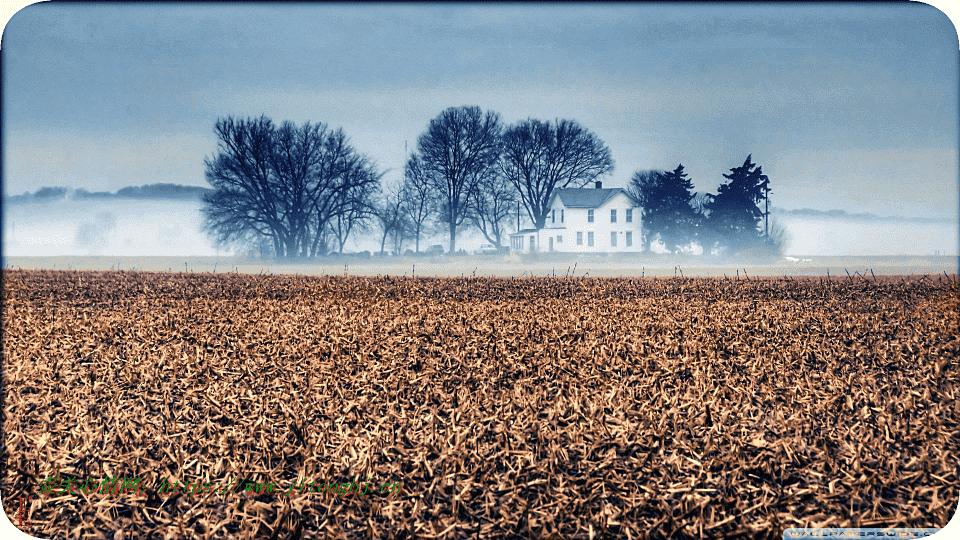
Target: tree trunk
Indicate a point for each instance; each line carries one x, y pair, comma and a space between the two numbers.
277, 247
317, 239
291, 247
383, 240
453, 237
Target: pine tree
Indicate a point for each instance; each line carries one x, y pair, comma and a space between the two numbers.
734, 216
667, 209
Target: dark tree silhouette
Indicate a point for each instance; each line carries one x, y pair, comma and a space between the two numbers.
459, 148
282, 183
343, 184
642, 185
733, 214
246, 194
490, 207
295, 158
389, 214
668, 212
539, 157
355, 205
419, 203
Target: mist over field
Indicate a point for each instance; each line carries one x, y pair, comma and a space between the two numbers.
138, 228
852, 236
116, 227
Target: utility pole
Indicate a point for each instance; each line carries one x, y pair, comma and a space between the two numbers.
766, 213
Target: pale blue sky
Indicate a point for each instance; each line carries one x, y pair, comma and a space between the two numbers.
845, 106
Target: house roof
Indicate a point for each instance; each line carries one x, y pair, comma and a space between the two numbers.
586, 197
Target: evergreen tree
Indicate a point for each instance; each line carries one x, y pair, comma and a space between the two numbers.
667, 210
734, 216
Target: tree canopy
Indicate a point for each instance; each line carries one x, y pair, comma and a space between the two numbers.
284, 184
666, 199
304, 189
539, 157
734, 216
458, 150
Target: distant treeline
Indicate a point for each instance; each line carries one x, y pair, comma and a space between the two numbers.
843, 214
151, 191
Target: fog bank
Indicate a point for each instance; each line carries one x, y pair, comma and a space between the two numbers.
118, 227
137, 228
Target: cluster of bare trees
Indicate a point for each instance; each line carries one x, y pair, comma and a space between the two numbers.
478, 169
297, 187
305, 190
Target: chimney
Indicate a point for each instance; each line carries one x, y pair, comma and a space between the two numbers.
599, 184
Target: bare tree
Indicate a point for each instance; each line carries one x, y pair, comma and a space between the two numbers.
355, 204
389, 213
491, 205
296, 156
246, 194
400, 233
419, 201
700, 202
341, 172
284, 183
458, 149
778, 238
642, 185
539, 157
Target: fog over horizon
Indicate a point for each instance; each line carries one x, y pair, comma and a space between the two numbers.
138, 227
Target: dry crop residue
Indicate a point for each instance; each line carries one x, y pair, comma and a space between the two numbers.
549, 407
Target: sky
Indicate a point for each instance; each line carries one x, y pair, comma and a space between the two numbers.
850, 107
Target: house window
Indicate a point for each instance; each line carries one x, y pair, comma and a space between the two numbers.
559, 239
629, 235
590, 238
590, 216
629, 216
613, 215
579, 238
561, 215
553, 216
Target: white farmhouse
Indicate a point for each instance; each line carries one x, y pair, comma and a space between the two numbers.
585, 220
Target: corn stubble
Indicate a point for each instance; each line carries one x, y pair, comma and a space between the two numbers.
547, 407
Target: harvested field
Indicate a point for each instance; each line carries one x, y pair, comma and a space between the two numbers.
533, 407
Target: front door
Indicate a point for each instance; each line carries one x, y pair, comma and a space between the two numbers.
551, 243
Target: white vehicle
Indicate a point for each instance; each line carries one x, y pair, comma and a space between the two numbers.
488, 249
